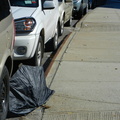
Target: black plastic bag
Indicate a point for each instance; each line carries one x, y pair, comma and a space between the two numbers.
28, 90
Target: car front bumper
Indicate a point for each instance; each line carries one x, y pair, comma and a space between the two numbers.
24, 47
76, 6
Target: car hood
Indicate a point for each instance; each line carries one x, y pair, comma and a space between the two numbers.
19, 12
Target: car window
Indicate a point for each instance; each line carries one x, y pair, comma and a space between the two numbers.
4, 9
24, 3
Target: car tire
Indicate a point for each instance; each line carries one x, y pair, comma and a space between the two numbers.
4, 93
68, 23
80, 12
61, 27
86, 10
55, 39
37, 59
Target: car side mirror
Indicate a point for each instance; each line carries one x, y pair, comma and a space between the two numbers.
48, 5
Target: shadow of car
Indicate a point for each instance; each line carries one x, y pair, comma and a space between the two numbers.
97, 3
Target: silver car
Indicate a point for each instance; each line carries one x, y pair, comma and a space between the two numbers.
6, 54
65, 9
80, 8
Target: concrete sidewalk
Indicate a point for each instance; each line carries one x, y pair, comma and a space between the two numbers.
86, 73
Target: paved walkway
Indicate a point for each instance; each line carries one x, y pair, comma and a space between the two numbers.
86, 73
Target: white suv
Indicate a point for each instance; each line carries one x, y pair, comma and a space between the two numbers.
37, 22
6, 54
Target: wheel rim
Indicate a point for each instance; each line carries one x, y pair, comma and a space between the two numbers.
62, 26
56, 38
39, 54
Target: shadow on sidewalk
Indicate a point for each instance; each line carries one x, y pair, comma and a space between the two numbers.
106, 3
112, 4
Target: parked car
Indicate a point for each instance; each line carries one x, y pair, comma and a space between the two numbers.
80, 8
65, 9
37, 22
7, 38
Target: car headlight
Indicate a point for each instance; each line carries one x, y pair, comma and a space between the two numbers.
25, 24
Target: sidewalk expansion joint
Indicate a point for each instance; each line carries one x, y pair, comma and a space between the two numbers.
96, 101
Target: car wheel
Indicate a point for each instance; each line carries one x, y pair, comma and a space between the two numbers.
80, 12
37, 59
86, 10
4, 93
68, 23
61, 27
55, 39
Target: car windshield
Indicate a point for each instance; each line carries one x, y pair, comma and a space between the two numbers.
24, 3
